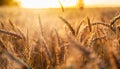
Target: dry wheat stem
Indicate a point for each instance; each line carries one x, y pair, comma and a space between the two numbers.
27, 48
98, 32
113, 60
110, 53
58, 38
101, 31
10, 33
4, 51
45, 46
84, 50
48, 60
57, 48
15, 59
2, 25
68, 24
21, 33
13, 26
41, 30
85, 39
61, 5
79, 47
41, 27
44, 41
91, 39
78, 28
27, 38
16, 29
2, 45
95, 39
103, 24
117, 63
89, 24
114, 20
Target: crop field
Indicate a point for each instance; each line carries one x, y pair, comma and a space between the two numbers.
52, 39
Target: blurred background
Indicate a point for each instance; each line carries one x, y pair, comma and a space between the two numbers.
58, 3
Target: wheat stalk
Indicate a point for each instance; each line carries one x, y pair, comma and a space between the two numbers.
16, 29
11, 23
114, 20
78, 28
101, 30
68, 24
47, 52
98, 38
21, 33
2, 25
24, 66
79, 47
61, 5
111, 55
4, 51
45, 45
2, 45
10, 33
89, 24
103, 24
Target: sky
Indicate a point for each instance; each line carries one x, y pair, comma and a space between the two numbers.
55, 3
47, 3
102, 3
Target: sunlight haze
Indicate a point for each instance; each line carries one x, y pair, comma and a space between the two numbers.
47, 3
68, 3
102, 3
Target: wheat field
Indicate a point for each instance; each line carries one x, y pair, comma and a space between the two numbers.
52, 39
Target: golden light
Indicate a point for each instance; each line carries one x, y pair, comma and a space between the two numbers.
89, 3
47, 3
102, 3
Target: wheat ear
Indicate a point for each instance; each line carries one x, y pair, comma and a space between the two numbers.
68, 24
10, 33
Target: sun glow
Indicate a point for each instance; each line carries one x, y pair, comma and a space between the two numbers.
47, 3
102, 3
